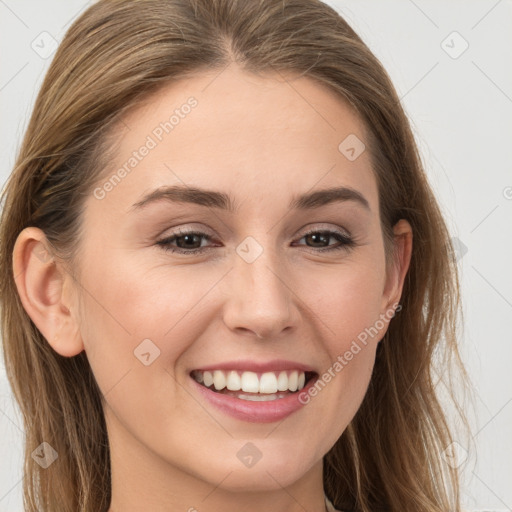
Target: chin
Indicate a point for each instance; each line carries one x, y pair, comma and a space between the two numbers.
267, 474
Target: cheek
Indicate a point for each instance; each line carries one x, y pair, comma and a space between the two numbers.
125, 299
348, 300
128, 313
136, 326
346, 303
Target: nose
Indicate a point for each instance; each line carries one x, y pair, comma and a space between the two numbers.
260, 299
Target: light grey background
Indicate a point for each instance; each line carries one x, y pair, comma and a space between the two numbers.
461, 110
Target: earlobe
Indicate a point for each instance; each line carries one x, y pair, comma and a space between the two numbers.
399, 264
41, 287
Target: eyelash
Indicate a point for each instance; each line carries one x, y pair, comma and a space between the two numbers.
346, 242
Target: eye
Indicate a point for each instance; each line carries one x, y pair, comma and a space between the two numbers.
189, 242
186, 242
323, 236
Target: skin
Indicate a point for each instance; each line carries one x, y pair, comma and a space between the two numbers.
262, 139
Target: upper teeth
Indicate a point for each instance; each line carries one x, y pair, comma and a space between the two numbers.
251, 382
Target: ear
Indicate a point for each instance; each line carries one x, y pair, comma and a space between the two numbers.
43, 288
398, 265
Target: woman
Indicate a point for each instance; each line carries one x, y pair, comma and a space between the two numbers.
226, 273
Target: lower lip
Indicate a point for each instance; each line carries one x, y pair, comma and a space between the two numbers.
255, 412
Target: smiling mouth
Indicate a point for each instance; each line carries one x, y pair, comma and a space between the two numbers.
253, 386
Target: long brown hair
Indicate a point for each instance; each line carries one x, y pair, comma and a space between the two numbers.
389, 457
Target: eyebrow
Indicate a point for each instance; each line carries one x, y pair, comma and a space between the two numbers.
220, 200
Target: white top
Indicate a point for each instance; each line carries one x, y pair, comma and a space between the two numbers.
330, 506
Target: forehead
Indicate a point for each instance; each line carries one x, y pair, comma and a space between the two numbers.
274, 133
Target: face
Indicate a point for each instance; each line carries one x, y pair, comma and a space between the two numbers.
258, 286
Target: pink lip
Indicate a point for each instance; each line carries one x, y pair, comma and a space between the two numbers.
258, 367
255, 412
